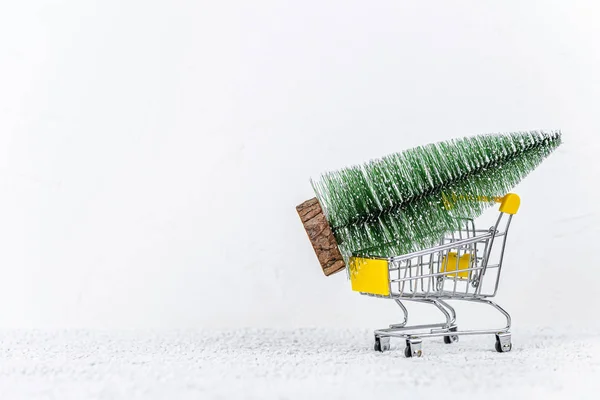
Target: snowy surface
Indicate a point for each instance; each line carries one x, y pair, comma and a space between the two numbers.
299, 364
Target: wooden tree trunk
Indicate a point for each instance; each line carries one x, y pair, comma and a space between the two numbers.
321, 236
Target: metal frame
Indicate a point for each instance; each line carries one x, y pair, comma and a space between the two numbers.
427, 277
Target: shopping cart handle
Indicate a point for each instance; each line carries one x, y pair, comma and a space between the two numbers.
510, 203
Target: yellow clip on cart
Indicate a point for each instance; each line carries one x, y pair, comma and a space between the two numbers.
466, 266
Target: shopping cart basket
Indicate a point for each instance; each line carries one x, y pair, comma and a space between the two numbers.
465, 266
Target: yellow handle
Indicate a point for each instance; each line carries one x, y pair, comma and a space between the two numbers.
509, 204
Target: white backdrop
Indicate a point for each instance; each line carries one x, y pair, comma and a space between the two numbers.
152, 153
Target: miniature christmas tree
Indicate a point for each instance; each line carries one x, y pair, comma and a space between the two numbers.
406, 201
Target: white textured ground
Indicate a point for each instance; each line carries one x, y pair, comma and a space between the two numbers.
276, 364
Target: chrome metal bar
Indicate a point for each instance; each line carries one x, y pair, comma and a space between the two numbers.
502, 253
408, 331
450, 308
407, 335
442, 247
497, 307
404, 311
390, 331
441, 274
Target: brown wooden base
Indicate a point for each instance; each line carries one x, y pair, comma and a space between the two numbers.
321, 236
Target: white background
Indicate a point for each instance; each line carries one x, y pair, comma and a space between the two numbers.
152, 153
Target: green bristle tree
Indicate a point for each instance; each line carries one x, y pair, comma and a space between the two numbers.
407, 201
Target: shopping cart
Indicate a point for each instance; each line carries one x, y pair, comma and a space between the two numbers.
465, 266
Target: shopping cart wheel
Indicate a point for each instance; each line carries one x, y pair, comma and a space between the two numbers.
503, 343
451, 338
413, 348
381, 344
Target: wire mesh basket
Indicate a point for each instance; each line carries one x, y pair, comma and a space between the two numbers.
466, 265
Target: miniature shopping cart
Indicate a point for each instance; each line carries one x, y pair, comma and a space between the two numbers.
465, 266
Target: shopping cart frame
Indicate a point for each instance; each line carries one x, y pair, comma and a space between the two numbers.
465, 266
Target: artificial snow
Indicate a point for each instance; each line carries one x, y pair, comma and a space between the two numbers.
292, 364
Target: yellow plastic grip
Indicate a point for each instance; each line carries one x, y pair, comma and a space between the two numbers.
510, 203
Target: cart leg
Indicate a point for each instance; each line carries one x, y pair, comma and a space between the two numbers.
449, 319
503, 311
413, 348
404, 311
503, 336
452, 321
382, 343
